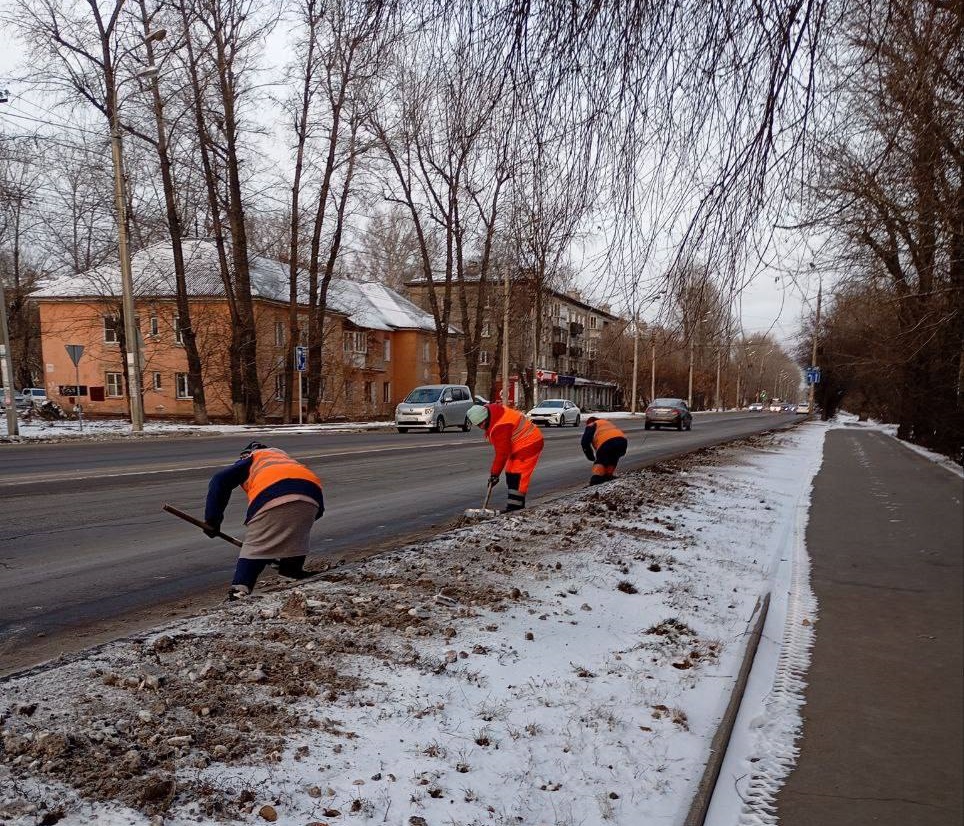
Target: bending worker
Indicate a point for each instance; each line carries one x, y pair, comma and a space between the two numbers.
284, 500
604, 445
517, 443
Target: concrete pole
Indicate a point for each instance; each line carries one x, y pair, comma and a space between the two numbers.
632, 403
717, 400
505, 344
652, 372
127, 282
811, 397
6, 368
689, 397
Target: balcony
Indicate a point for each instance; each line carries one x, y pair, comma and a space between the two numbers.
575, 352
558, 348
558, 331
575, 328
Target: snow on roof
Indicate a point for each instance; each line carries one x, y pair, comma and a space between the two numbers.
368, 305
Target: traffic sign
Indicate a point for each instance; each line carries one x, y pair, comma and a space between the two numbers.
813, 375
301, 359
75, 351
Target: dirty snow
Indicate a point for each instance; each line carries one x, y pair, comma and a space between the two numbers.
566, 666
38, 429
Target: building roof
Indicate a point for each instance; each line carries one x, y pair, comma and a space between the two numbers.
369, 305
473, 277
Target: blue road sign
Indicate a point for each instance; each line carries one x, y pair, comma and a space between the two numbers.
301, 359
813, 375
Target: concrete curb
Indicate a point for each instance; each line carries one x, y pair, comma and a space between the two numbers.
704, 790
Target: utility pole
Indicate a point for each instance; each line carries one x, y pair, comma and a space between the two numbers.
813, 348
689, 397
6, 367
127, 281
632, 403
652, 371
719, 356
505, 343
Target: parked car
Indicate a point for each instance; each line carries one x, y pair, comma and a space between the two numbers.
776, 407
557, 412
20, 402
36, 396
756, 407
434, 407
789, 408
803, 407
668, 413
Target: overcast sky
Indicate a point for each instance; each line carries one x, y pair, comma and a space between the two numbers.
773, 302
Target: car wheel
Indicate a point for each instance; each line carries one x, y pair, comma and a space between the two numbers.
679, 424
403, 430
439, 424
576, 423
466, 425
689, 425
562, 421
647, 426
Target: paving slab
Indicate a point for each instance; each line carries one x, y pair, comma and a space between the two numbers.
882, 737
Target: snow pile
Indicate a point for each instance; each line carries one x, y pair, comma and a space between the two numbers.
568, 665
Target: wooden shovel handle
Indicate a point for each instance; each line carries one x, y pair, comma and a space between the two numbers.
198, 523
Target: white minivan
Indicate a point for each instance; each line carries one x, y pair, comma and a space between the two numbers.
434, 407
36, 396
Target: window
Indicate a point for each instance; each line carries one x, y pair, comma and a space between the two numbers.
484, 357
279, 334
486, 329
111, 326
386, 392
426, 351
370, 392
279, 388
387, 349
115, 385
152, 325
356, 341
157, 381
593, 321
178, 338
183, 388
349, 391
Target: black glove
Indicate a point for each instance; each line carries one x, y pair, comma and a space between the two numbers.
212, 531
493, 480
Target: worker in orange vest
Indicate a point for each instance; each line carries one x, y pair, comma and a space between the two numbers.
604, 445
517, 443
284, 500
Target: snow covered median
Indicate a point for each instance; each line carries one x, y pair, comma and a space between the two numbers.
566, 666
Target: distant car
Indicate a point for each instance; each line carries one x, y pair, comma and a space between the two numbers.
20, 402
557, 412
775, 407
789, 408
434, 407
803, 407
756, 407
36, 396
668, 413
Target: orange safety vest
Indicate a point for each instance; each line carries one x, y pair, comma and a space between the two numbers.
523, 432
269, 466
605, 430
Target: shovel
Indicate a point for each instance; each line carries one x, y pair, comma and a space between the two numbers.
204, 525
485, 512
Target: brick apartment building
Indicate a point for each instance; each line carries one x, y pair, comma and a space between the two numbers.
377, 344
571, 353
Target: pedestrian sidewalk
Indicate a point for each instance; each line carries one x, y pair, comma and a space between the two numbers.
882, 735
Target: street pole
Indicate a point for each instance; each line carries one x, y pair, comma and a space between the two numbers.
505, 344
719, 355
689, 397
811, 397
127, 282
632, 403
6, 368
652, 372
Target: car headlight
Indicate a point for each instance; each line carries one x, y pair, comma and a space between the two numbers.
429, 411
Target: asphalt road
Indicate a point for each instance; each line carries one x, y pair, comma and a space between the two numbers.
85, 548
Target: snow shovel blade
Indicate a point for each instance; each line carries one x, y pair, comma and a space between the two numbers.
485, 512
480, 513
